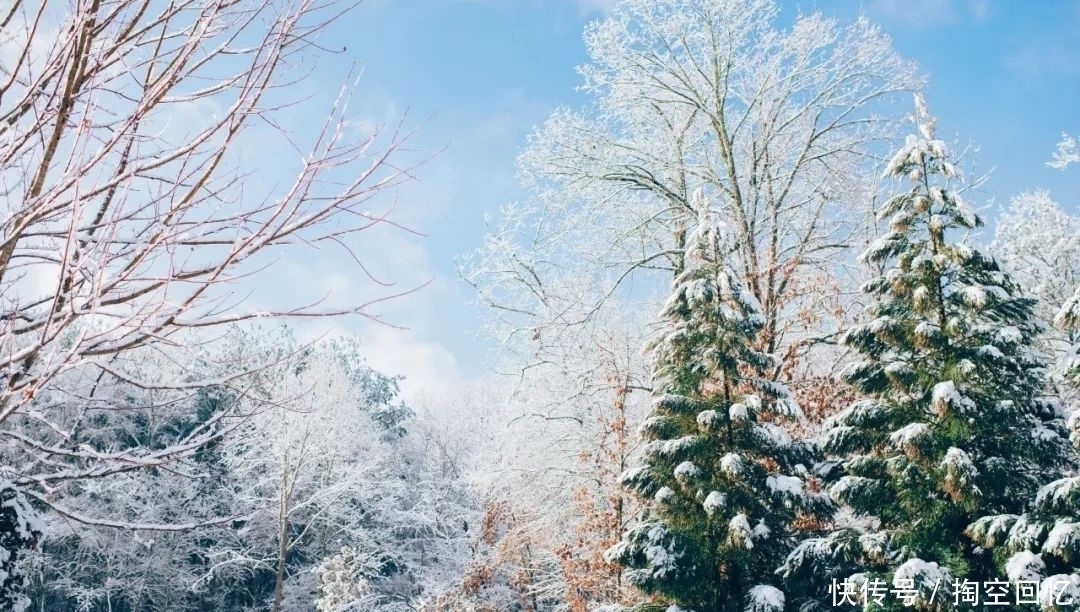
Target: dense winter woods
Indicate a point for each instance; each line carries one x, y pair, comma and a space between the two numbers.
754, 353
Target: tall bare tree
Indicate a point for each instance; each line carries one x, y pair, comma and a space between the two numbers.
131, 206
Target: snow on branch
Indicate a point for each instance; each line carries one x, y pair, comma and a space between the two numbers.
1066, 153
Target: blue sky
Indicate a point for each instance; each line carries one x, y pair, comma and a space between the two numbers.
1004, 78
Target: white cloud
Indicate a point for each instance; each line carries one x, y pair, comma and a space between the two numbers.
475, 172
428, 367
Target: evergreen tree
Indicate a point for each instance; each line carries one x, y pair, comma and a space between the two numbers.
722, 483
952, 427
1042, 545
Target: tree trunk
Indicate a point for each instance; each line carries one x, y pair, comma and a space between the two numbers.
283, 547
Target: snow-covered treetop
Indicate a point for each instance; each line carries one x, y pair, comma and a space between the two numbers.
709, 241
945, 289
922, 154
1035, 239
921, 157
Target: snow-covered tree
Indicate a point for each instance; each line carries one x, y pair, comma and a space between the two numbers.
311, 465
1036, 240
1068, 320
20, 530
111, 560
366, 490
1042, 544
130, 538
773, 122
603, 507
951, 427
723, 483
132, 207
350, 499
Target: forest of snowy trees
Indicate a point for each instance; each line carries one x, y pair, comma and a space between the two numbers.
754, 354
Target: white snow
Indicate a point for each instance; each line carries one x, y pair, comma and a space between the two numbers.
946, 396
739, 532
664, 494
1024, 566
966, 214
1044, 434
631, 474
761, 531
965, 366
841, 489
788, 407
713, 501
925, 329
731, 464
667, 448
960, 473
765, 598
895, 368
28, 524
991, 531
775, 434
1074, 424
927, 577
857, 410
937, 222
880, 324
1069, 315
660, 559
874, 544
686, 470
788, 485
908, 435
1064, 538
958, 459
1024, 534
1009, 335
737, 412
707, 419
974, 296
963, 251
649, 423
920, 296
907, 158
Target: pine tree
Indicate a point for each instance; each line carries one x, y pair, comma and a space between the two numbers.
1043, 544
952, 427
722, 483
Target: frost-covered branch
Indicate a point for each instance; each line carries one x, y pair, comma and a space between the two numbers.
1066, 153
128, 201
